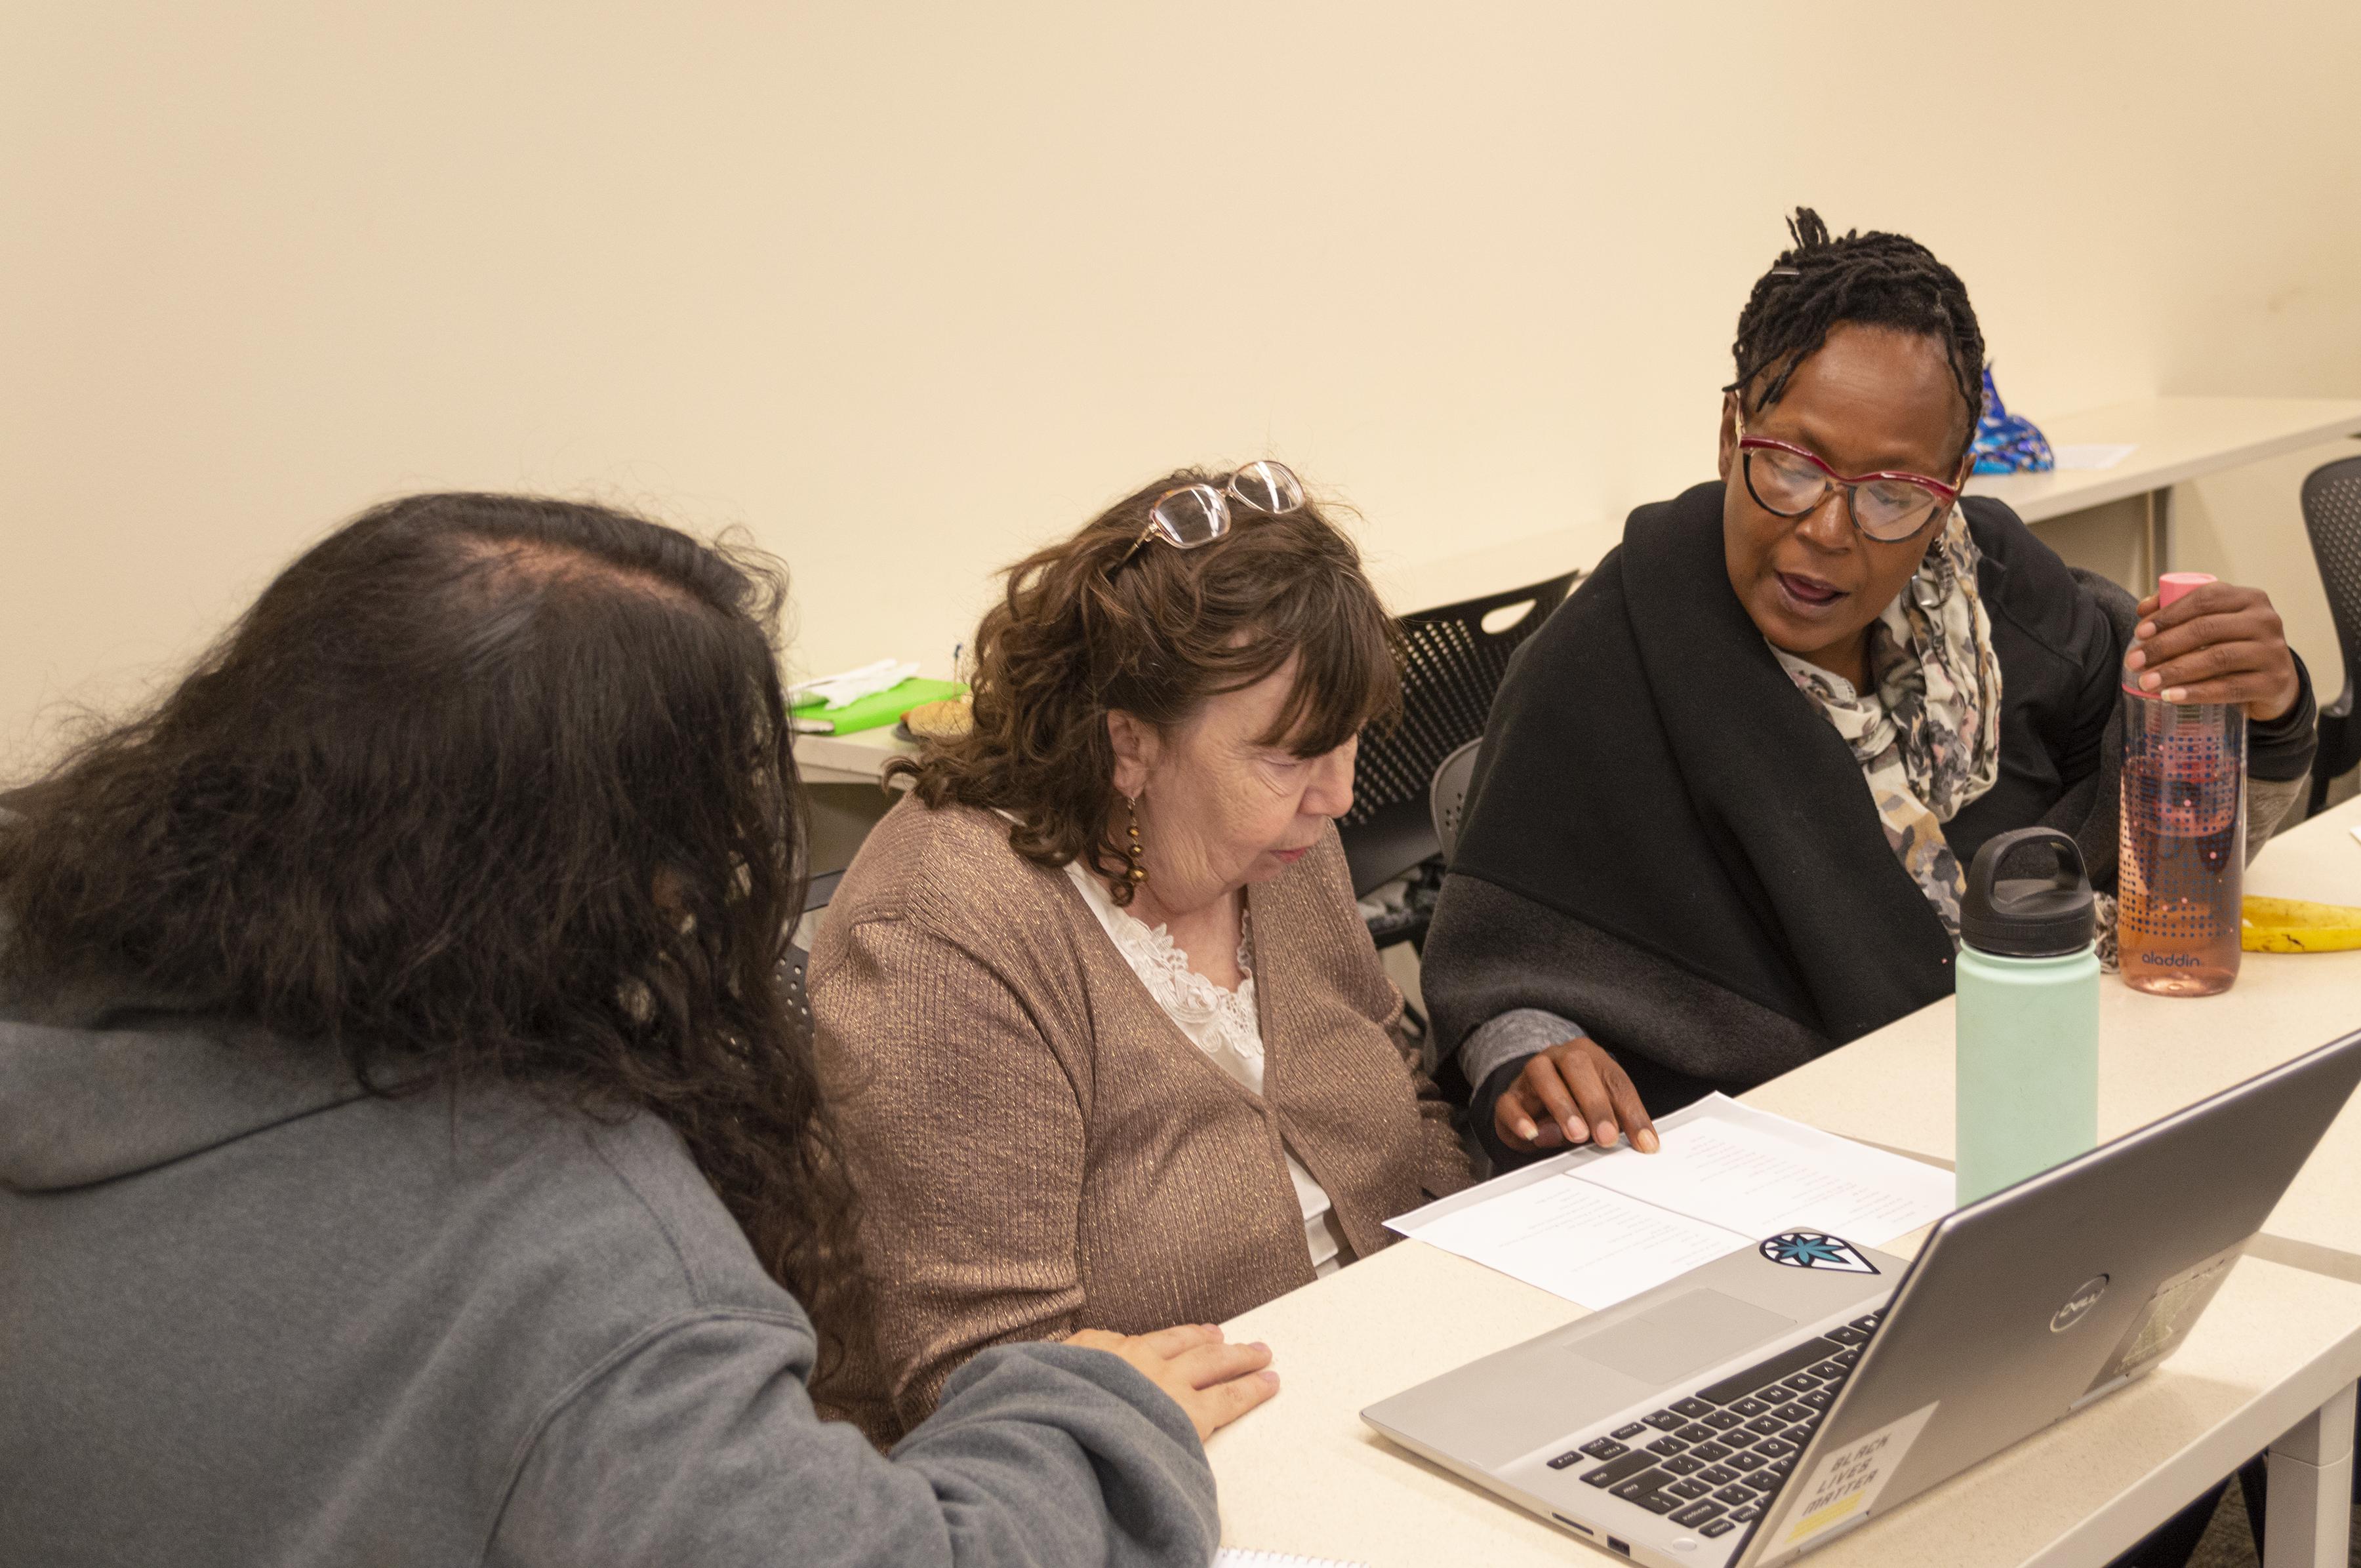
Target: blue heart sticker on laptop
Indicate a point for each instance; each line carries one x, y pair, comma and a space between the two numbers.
1810, 1249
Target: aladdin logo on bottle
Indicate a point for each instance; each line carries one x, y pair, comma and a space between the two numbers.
2078, 1306
2170, 960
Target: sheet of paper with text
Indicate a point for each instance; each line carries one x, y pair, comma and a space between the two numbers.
1600, 1228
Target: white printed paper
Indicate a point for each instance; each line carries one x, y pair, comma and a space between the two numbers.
1585, 1243
1845, 1484
1600, 1228
1752, 1180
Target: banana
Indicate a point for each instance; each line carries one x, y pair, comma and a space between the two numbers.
2294, 926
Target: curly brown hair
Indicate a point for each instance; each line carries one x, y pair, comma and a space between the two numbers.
482, 788
1089, 626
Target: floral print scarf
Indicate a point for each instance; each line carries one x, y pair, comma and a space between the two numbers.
1927, 737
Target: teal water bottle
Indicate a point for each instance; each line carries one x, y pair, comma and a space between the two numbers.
2028, 1012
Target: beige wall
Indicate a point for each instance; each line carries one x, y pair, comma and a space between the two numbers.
906, 288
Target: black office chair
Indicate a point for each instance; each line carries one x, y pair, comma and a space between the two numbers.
1455, 666
2331, 516
1446, 798
1447, 808
793, 963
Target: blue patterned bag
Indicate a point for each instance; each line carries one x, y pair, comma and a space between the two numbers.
2007, 443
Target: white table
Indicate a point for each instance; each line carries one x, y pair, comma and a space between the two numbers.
2156, 1055
1405, 583
1303, 1474
858, 758
1442, 573
2176, 439
2272, 1363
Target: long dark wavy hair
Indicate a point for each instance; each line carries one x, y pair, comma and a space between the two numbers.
482, 787
1099, 621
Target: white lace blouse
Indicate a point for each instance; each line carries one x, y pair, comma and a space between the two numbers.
1223, 1025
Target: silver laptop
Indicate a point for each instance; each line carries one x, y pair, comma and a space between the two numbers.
1763, 1403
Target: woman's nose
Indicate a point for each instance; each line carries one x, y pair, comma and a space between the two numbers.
1827, 526
1331, 794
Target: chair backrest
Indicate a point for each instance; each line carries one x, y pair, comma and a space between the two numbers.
1448, 799
793, 963
2331, 516
1454, 665
791, 985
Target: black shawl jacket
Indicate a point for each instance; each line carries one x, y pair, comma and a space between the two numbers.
1668, 843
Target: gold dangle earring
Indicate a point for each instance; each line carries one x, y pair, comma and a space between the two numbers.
1132, 847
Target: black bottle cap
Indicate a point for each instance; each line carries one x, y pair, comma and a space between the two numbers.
2028, 917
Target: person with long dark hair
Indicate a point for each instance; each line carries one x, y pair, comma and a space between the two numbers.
405, 1151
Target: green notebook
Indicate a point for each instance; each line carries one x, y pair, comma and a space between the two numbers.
877, 707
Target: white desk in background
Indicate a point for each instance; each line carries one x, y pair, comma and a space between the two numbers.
858, 758
1404, 584
2173, 439
1303, 1474
1409, 583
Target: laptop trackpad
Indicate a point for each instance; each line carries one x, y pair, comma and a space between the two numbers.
1692, 1330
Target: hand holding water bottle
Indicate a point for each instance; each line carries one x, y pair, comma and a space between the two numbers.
2206, 658
2217, 643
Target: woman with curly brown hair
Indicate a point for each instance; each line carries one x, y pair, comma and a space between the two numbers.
405, 1151
1109, 1037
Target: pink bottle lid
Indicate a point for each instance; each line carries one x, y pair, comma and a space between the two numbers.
2173, 584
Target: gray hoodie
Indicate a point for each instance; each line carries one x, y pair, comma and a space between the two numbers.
251, 1317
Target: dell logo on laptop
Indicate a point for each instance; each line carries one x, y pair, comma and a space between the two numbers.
2078, 1306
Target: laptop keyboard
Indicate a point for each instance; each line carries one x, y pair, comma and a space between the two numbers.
1714, 1459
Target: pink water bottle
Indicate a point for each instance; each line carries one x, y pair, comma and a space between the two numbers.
2184, 835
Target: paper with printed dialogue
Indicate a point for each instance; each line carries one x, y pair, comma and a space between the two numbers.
1600, 1228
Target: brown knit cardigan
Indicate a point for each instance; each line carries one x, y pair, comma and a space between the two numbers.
1039, 1148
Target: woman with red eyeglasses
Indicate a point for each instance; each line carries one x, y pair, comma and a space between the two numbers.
1728, 792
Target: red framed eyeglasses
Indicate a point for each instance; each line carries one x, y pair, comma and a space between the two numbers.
1787, 481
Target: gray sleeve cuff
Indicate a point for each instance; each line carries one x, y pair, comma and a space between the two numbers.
1512, 1037
2269, 803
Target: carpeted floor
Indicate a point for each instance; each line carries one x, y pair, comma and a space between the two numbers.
2229, 1544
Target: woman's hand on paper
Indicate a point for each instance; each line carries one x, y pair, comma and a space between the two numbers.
1213, 1383
1572, 1093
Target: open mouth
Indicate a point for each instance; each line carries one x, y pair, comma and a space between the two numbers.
1809, 593
1289, 857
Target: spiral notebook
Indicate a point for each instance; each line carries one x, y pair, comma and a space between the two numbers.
1239, 1557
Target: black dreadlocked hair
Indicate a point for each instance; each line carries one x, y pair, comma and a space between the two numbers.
1872, 280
